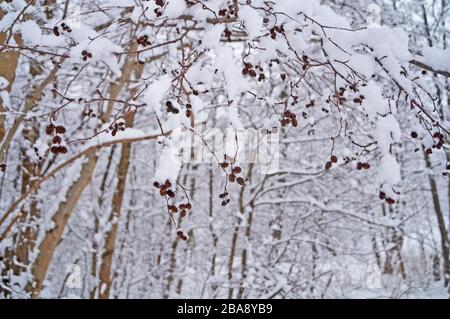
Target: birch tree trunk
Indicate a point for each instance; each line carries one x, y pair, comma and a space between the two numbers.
248, 227
25, 239
95, 248
235, 237
8, 71
445, 250
52, 238
110, 240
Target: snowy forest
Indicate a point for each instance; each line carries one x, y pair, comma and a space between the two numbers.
232, 149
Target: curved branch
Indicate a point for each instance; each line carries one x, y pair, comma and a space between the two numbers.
429, 68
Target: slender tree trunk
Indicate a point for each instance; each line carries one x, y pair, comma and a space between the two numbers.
8, 68
448, 194
234, 239
17, 256
52, 238
173, 256
172, 266
441, 224
24, 240
214, 236
31, 101
375, 251
8, 71
110, 241
27, 236
231, 258
244, 256
95, 248
189, 248
248, 227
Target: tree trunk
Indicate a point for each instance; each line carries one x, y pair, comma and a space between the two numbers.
52, 237
173, 256
441, 224
244, 257
8, 71
61, 217
95, 248
235, 237
27, 236
110, 241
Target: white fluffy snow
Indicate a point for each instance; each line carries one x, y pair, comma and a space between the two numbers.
374, 102
3, 83
169, 164
4, 95
31, 33
252, 20
436, 58
155, 93
387, 132
389, 170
